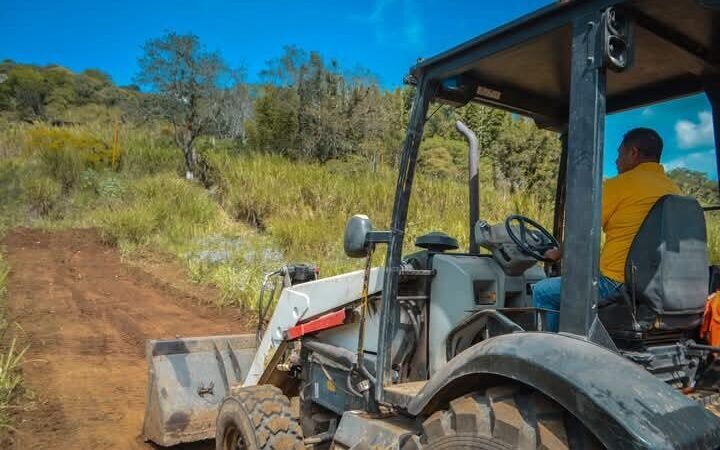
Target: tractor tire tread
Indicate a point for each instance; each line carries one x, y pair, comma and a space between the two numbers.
501, 418
275, 421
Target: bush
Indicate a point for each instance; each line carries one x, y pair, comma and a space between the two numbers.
145, 159
12, 201
163, 209
41, 193
132, 226
85, 144
66, 152
110, 188
63, 165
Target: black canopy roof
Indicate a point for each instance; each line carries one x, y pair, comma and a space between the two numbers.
524, 66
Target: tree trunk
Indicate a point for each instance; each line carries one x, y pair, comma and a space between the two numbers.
190, 158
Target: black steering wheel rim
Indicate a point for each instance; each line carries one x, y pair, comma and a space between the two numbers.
522, 242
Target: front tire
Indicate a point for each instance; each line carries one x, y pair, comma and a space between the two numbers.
503, 418
257, 418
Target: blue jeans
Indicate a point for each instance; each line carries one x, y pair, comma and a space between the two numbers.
546, 294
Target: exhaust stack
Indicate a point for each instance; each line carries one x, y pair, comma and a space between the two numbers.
473, 182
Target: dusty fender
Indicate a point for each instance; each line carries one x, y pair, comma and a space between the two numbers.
622, 404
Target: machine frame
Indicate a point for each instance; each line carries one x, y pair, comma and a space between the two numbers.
580, 176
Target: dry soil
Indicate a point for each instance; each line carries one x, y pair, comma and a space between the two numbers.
86, 315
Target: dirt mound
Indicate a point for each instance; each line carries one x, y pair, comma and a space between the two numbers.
86, 317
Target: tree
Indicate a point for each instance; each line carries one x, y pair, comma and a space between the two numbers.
526, 158
275, 129
234, 108
29, 90
185, 79
696, 184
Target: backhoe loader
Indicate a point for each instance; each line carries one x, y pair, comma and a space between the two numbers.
441, 348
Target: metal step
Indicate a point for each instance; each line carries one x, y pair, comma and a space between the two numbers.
401, 394
417, 273
413, 297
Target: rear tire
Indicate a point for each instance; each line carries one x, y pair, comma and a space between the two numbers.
503, 418
257, 418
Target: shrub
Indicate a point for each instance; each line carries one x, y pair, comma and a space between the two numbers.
66, 152
90, 149
89, 179
41, 193
132, 226
163, 209
64, 165
110, 188
12, 201
143, 158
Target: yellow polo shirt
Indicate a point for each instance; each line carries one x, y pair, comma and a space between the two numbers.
627, 199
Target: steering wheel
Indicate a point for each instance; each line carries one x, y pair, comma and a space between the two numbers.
534, 240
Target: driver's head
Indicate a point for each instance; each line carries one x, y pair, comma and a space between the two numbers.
639, 145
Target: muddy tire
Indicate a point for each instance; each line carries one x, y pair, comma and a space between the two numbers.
257, 418
503, 418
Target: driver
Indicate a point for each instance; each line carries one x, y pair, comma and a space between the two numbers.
627, 199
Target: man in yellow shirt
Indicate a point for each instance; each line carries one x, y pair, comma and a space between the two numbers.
627, 199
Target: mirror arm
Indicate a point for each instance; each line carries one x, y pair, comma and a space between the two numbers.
379, 237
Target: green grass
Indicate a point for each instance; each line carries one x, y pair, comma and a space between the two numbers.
304, 207
713, 229
11, 358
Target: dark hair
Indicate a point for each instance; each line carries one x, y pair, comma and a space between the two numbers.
647, 141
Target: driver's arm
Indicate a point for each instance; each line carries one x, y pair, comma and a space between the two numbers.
554, 254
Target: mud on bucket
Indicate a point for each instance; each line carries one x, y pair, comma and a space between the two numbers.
187, 380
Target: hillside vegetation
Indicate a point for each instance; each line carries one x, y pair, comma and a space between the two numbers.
270, 173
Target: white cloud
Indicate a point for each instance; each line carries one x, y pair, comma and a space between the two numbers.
703, 161
695, 134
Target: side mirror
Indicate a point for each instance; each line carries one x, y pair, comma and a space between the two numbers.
356, 240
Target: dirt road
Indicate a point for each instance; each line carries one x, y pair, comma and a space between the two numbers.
86, 317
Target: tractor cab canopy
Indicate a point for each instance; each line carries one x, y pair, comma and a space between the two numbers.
525, 66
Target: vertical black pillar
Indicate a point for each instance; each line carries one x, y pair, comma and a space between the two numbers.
390, 309
584, 177
560, 194
712, 89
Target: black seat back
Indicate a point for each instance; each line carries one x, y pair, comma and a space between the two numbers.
666, 273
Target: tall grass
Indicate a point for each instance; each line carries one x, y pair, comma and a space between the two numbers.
304, 207
11, 358
713, 230
160, 209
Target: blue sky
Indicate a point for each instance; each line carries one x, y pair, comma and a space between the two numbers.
384, 36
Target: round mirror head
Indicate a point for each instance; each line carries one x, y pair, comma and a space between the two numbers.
356, 231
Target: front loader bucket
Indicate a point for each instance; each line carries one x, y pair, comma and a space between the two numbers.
188, 379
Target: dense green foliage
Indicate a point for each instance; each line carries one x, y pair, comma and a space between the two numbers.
696, 184
29, 92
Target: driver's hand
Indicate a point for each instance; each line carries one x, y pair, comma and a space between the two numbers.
554, 254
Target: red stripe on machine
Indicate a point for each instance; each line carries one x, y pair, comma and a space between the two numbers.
323, 322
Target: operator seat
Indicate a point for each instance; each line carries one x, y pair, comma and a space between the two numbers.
666, 274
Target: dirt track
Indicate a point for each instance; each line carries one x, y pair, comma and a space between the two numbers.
86, 317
